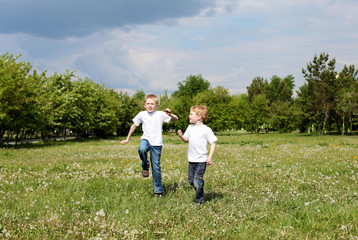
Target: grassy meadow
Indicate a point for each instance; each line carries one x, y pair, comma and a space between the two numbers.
273, 186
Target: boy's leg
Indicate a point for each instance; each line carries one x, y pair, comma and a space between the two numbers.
155, 153
199, 182
143, 153
191, 173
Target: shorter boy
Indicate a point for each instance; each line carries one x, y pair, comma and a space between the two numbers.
198, 135
151, 140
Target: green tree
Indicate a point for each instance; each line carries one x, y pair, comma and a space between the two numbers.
346, 98
217, 101
180, 106
60, 89
280, 93
258, 113
131, 107
192, 86
237, 110
257, 87
18, 95
320, 76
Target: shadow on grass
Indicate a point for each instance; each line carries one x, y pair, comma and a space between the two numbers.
210, 196
170, 188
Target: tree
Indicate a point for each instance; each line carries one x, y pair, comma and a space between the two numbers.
257, 87
258, 113
18, 95
320, 76
217, 101
346, 98
192, 86
281, 103
60, 88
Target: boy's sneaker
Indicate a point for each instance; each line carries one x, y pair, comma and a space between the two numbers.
145, 173
158, 195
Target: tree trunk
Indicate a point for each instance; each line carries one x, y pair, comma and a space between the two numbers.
17, 137
2, 132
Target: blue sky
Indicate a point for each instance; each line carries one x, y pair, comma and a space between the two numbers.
153, 45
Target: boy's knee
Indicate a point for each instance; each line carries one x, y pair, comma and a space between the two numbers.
198, 183
141, 150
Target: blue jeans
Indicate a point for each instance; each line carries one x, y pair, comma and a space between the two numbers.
196, 179
155, 152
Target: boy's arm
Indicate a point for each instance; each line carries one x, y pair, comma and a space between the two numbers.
170, 114
212, 150
131, 131
184, 139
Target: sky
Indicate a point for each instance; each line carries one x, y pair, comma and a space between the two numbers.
153, 45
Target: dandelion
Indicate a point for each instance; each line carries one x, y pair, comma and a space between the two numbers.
307, 204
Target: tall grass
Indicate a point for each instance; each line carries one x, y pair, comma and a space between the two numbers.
274, 186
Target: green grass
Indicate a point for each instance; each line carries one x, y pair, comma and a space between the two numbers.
262, 186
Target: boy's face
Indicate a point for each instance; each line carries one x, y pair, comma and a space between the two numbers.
193, 118
150, 105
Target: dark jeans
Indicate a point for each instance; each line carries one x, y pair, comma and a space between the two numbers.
155, 152
196, 179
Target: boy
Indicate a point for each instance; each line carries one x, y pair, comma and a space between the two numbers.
151, 139
198, 135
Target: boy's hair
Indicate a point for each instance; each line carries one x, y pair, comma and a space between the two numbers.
151, 96
201, 111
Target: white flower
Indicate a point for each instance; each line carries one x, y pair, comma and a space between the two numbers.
100, 213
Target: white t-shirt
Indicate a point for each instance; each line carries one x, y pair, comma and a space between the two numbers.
199, 137
152, 125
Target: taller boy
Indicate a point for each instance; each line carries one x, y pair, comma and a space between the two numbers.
151, 139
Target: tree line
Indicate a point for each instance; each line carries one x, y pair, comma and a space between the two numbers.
34, 104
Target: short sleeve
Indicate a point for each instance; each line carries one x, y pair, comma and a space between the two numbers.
211, 136
137, 120
166, 117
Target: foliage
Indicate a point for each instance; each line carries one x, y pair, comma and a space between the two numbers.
192, 86
35, 104
321, 85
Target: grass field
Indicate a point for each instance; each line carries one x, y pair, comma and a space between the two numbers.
274, 186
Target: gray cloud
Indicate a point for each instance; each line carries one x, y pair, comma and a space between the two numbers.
78, 18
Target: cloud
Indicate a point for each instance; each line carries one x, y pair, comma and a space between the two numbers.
79, 18
229, 42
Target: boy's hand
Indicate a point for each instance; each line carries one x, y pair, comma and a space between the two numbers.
184, 139
168, 111
124, 142
209, 161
